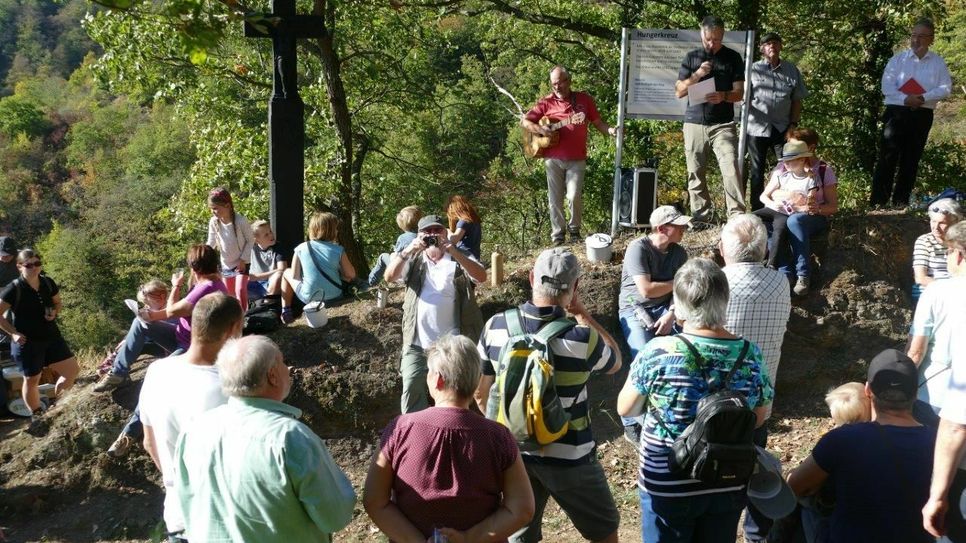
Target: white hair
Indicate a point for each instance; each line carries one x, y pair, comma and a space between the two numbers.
457, 361
243, 364
744, 238
946, 207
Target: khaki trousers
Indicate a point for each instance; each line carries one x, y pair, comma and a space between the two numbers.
722, 138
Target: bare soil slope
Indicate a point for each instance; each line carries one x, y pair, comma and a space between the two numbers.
63, 487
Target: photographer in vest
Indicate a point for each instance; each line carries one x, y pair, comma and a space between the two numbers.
666, 381
440, 281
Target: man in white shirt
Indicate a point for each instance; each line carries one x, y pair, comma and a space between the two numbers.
914, 81
759, 305
946, 301
179, 388
440, 281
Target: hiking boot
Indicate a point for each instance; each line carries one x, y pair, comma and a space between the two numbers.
801, 286
575, 236
632, 434
286, 316
121, 446
557, 242
110, 382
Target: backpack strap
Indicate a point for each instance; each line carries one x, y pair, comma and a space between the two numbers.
741, 359
553, 329
514, 322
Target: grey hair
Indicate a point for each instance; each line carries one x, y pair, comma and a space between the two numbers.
563, 71
547, 293
701, 294
956, 237
946, 207
744, 238
712, 21
243, 364
457, 361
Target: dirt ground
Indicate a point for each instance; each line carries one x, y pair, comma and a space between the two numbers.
64, 487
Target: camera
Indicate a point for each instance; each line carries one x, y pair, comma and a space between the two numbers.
431, 241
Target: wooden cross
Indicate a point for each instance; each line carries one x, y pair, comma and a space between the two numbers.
286, 122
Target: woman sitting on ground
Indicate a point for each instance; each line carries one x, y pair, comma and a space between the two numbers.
929, 254
35, 339
666, 381
446, 467
154, 295
205, 266
319, 266
813, 218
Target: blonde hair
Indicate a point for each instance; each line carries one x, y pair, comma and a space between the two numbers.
260, 223
848, 404
324, 226
408, 218
152, 286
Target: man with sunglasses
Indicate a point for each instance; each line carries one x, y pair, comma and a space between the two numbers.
914, 81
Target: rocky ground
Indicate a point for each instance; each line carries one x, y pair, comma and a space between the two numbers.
63, 487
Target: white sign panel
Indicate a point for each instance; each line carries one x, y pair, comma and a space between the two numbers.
653, 60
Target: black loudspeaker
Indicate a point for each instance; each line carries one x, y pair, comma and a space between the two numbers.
638, 196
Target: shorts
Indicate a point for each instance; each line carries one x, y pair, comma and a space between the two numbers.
583, 494
257, 289
35, 355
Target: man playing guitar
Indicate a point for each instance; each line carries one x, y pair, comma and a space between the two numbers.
566, 161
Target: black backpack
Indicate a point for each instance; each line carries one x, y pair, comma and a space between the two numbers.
717, 448
263, 316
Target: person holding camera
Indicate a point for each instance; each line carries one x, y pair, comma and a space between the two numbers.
440, 299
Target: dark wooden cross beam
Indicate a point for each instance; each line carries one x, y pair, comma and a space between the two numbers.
286, 122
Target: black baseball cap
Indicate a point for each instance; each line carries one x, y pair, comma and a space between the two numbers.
893, 376
8, 246
770, 36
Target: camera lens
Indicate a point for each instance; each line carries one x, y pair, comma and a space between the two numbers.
430, 241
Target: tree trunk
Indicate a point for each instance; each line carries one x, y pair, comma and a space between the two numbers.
865, 133
335, 89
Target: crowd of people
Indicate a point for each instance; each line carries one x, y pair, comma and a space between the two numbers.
237, 465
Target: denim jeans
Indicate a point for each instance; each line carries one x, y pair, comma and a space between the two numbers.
801, 227
379, 269
708, 518
158, 332
637, 336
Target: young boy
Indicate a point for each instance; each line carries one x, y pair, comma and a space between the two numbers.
848, 404
268, 261
407, 219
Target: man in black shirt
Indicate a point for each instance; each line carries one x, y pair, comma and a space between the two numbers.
710, 125
8, 260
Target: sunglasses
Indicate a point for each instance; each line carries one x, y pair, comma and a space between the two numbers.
937, 209
31, 265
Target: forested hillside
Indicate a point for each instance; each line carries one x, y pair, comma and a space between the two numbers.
116, 119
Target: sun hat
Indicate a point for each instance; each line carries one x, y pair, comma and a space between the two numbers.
767, 489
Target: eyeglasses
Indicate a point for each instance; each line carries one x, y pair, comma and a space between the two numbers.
31, 265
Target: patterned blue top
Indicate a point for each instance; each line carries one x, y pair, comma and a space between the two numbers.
667, 374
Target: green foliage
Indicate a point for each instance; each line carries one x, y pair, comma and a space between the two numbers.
19, 115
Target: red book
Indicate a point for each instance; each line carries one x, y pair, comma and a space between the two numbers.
912, 88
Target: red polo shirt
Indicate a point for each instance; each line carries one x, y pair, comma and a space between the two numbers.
573, 137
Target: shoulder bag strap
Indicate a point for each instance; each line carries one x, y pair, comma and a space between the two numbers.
336, 284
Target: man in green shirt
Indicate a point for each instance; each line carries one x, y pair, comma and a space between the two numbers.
249, 470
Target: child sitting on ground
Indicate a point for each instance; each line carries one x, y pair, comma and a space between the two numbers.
788, 192
465, 230
407, 219
267, 263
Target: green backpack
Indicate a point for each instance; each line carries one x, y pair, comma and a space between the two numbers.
524, 396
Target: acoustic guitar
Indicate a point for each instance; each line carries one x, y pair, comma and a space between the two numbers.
534, 145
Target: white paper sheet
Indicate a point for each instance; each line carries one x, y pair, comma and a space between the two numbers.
698, 91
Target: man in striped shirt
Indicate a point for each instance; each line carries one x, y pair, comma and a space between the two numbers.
567, 469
